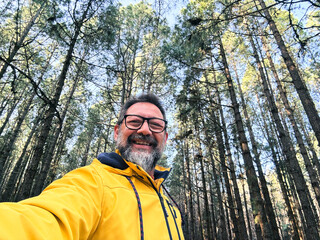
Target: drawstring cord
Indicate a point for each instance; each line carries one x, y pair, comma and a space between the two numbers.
175, 203
139, 206
140, 209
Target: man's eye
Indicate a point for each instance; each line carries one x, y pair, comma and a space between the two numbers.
156, 125
135, 121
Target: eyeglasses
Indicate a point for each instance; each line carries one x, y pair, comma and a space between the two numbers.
135, 122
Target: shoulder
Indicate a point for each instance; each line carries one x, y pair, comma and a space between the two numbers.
111, 177
80, 180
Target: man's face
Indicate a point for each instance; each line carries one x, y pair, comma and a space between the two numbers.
141, 146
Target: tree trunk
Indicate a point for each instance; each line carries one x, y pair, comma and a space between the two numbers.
200, 158
19, 43
315, 159
190, 192
54, 164
295, 201
284, 191
260, 218
292, 161
41, 177
240, 214
298, 82
247, 211
9, 113
186, 227
235, 223
213, 211
263, 182
198, 206
289, 111
217, 128
86, 151
6, 151
50, 113
4, 102
10, 187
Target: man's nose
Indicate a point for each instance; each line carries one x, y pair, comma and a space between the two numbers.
144, 129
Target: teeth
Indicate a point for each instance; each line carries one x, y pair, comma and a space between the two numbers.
142, 143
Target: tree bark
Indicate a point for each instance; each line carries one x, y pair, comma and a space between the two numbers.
10, 187
54, 164
86, 150
51, 112
41, 177
213, 211
9, 113
298, 82
263, 182
292, 161
315, 159
260, 218
198, 206
217, 128
8, 148
284, 190
289, 111
20, 41
199, 158
247, 211
231, 168
190, 192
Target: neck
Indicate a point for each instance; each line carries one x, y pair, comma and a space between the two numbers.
151, 173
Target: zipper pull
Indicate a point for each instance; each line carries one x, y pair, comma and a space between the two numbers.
164, 206
173, 211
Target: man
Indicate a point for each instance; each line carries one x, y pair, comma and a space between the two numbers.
119, 196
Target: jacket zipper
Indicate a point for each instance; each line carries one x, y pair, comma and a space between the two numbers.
174, 215
166, 215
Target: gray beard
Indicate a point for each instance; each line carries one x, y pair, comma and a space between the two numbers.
142, 158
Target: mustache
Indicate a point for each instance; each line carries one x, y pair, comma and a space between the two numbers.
141, 137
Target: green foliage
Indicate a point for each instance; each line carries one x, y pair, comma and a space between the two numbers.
125, 50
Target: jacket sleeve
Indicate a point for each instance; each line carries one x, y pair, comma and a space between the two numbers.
69, 208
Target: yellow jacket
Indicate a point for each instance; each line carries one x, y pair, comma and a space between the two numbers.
96, 202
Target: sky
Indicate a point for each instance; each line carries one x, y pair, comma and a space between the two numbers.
174, 8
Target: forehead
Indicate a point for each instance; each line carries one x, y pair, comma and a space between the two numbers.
145, 109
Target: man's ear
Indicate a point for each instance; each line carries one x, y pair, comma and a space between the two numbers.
166, 137
116, 132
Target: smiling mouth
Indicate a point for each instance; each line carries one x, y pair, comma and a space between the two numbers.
139, 142
142, 140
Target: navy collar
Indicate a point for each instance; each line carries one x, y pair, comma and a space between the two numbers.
114, 160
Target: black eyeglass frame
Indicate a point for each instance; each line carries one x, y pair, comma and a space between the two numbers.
144, 119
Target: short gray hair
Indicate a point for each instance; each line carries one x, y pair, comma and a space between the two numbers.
146, 97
